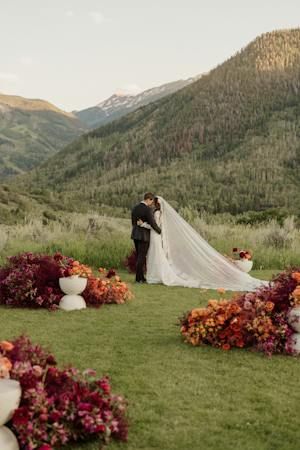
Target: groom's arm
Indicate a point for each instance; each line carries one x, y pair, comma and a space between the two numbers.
151, 221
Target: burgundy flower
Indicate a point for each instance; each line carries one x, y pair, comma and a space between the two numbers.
21, 416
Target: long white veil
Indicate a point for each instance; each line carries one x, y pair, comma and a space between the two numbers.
195, 261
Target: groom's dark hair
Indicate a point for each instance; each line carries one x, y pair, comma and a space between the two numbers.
149, 196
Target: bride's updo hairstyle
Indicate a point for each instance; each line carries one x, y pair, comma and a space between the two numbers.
156, 204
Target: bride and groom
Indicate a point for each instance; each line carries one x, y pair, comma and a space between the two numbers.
177, 255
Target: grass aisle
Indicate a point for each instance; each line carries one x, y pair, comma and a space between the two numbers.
180, 397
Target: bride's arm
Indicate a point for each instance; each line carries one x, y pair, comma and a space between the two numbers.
157, 217
145, 225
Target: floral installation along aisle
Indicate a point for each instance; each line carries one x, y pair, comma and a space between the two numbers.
32, 281
58, 406
267, 320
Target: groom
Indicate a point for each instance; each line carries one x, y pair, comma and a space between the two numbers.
140, 235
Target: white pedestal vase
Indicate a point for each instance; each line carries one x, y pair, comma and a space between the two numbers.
8, 440
294, 321
72, 286
10, 396
244, 264
295, 343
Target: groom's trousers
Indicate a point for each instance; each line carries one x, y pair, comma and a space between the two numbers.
141, 252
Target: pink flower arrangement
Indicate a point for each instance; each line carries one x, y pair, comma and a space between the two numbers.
60, 406
32, 281
258, 319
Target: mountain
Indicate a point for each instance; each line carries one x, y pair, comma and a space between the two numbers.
228, 142
31, 131
121, 103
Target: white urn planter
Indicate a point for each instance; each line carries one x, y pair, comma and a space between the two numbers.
294, 318
294, 321
72, 286
8, 440
295, 343
10, 396
244, 264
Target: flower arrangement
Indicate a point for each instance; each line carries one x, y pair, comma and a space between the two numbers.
239, 253
32, 281
74, 268
107, 288
58, 406
257, 319
130, 262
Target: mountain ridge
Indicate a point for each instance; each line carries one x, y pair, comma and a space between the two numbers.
31, 130
226, 143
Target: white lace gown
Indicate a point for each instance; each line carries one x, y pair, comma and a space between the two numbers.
159, 270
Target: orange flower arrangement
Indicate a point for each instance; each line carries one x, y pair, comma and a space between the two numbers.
5, 363
258, 319
80, 269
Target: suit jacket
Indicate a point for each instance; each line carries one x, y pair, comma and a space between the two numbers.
143, 212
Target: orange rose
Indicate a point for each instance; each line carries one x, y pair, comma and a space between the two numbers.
5, 362
198, 312
221, 291
296, 276
6, 346
296, 293
269, 306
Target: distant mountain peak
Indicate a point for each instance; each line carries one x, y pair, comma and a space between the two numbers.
127, 100
127, 92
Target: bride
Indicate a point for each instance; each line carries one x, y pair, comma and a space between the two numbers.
181, 257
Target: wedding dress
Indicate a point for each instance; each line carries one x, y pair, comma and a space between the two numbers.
181, 257
158, 268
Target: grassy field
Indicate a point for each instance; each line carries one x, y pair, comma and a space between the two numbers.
180, 397
105, 241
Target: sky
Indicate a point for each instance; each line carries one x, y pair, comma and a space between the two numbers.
76, 53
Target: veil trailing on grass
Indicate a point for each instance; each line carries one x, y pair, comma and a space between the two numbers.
195, 261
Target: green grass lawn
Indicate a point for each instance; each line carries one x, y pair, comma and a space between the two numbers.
180, 397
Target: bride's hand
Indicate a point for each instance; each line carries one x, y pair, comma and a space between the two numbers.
140, 222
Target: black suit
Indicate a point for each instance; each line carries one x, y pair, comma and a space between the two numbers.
141, 236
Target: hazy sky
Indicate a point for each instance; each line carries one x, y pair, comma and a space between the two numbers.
76, 53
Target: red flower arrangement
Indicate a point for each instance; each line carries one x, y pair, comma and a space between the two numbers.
130, 262
257, 319
32, 281
60, 406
